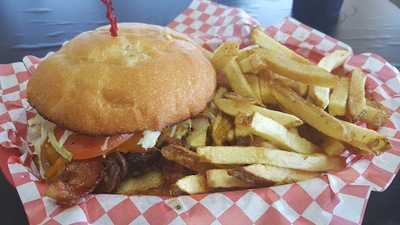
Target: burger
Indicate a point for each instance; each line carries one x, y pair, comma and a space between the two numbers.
102, 103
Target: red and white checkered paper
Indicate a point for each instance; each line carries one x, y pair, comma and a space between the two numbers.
334, 198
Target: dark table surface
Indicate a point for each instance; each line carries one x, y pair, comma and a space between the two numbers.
37, 27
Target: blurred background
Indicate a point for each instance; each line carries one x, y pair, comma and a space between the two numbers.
36, 27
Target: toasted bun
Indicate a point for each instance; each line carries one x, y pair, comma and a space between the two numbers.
145, 79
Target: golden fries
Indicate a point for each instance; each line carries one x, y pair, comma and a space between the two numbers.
198, 136
220, 92
374, 117
137, 185
298, 87
219, 178
357, 102
265, 91
332, 147
232, 107
320, 95
225, 52
260, 142
315, 162
334, 60
192, 184
245, 52
259, 174
254, 83
338, 98
213, 179
221, 130
285, 66
236, 97
241, 125
309, 113
237, 80
185, 157
260, 38
366, 140
237, 142
278, 135
362, 138
252, 64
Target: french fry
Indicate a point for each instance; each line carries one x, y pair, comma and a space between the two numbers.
259, 174
265, 91
369, 141
311, 74
260, 142
220, 92
198, 136
219, 178
309, 113
181, 129
365, 139
263, 40
332, 147
277, 134
220, 130
254, 146
338, 98
252, 64
140, 184
186, 158
316, 162
241, 125
254, 83
192, 184
260, 38
243, 135
334, 60
236, 97
237, 80
232, 107
298, 87
210, 112
357, 102
294, 130
374, 117
319, 95
176, 132
245, 52
223, 54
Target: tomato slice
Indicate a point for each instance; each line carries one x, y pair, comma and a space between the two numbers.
86, 147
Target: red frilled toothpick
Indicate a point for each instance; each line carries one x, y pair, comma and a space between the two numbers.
111, 18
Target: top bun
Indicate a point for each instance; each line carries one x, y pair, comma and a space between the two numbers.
145, 79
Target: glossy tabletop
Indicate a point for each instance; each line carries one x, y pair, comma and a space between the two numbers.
37, 27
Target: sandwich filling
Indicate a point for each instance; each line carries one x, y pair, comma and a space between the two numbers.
75, 165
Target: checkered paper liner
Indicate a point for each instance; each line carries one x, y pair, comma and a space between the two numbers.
334, 198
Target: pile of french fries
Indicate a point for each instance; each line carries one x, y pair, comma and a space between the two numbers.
281, 119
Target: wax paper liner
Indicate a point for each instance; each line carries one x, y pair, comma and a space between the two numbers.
334, 198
